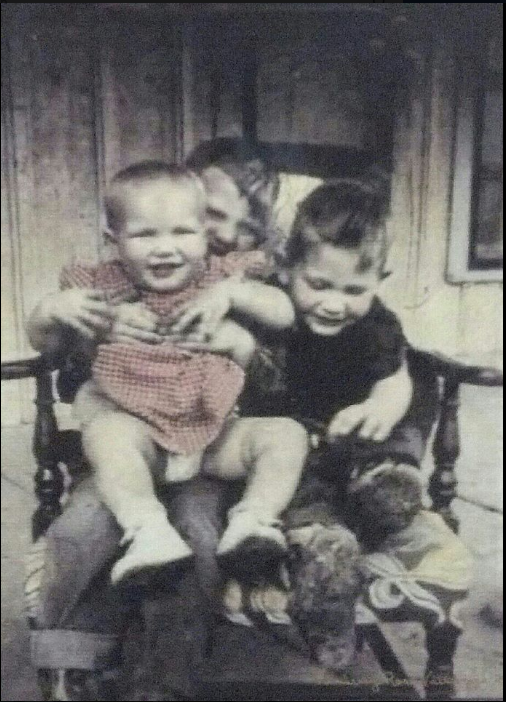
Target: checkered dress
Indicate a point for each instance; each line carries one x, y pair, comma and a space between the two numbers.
185, 396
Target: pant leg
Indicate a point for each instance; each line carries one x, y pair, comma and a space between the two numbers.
198, 511
180, 620
77, 619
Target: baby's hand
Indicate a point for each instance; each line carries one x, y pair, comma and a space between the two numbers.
373, 420
84, 310
134, 323
202, 317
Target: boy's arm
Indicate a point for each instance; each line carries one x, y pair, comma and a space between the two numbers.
387, 404
264, 304
255, 301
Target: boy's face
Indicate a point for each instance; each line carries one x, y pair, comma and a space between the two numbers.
229, 224
161, 237
329, 291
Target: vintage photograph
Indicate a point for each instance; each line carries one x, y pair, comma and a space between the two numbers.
252, 265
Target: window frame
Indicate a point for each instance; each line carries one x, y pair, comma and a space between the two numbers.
467, 152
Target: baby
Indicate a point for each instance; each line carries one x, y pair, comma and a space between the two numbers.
154, 404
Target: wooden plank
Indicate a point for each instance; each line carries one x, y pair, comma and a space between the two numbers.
481, 320
419, 223
11, 292
53, 108
308, 78
141, 84
197, 84
228, 55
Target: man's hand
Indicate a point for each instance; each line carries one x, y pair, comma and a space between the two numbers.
229, 339
134, 323
203, 317
372, 419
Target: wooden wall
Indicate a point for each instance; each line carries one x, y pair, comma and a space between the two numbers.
87, 94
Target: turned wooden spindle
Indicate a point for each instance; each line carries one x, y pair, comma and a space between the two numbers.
49, 477
446, 450
442, 642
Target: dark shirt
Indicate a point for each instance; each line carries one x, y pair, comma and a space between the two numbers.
301, 374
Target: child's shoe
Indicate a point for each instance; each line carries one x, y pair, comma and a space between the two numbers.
252, 545
153, 545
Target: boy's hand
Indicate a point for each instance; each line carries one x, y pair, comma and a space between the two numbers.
372, 419
84, 310
229, 339
202, 317
134, 323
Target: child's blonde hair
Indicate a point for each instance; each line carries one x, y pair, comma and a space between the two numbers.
145, 172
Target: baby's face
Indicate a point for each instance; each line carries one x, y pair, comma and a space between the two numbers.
229, 224
329, 291
161, 238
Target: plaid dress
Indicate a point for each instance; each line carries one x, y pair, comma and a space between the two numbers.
184, 396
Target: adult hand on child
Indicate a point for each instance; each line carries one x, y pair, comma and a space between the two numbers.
202, 317
371, 419
229, 339
82, 309
134, 323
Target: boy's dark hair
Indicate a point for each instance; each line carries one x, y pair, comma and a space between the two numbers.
239, 158
347, 213
144, 172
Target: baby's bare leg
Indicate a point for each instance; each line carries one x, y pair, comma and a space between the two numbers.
270, 454
123, 455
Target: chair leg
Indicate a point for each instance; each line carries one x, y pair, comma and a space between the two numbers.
360, 641
48, 478
398, 683
442, 644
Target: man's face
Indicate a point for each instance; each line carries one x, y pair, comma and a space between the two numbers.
229, 222
161, 236
330, 291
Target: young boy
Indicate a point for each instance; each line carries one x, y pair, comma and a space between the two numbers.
153, 404
342, 369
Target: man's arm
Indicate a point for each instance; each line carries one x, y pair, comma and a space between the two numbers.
81, 311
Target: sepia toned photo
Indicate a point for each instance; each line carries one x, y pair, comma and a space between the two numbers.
252, 265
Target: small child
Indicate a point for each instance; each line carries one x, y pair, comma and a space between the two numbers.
342, 369
153, 406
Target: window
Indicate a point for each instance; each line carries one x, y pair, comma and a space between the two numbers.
476, 241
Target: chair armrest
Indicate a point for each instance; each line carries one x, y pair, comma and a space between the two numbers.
27, 366
49, 481
457, 371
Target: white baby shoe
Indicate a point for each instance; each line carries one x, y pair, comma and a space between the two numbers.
153, 545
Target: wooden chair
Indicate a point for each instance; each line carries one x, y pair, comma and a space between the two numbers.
54, 448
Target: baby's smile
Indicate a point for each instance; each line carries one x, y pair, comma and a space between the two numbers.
166, 269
